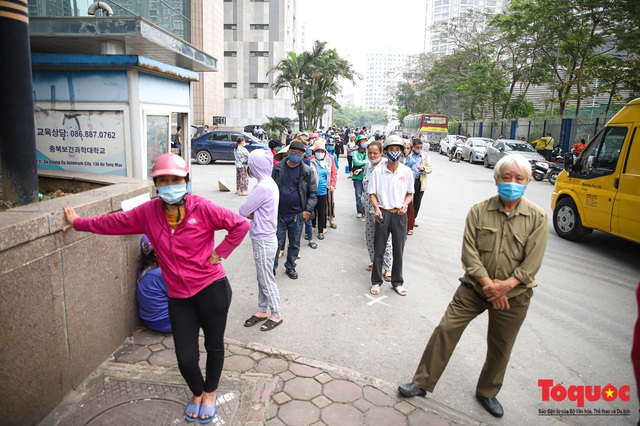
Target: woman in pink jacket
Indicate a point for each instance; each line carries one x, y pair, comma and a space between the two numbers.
181, 228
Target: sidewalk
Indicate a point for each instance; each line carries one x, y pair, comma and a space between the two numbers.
141, 384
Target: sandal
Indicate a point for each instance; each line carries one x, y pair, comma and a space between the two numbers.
370, 267
333, 225
375, 289
313, 244
387, 275
270, 325
207, 410
400, 290
253, 321
321, 236
280, 254
409, 232
193, 408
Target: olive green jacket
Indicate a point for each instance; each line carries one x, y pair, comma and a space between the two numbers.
499, 246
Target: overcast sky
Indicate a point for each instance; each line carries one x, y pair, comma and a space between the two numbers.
358, 27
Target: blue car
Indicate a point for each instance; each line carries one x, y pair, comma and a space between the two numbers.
219, 145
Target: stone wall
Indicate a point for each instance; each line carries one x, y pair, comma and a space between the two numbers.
67, 300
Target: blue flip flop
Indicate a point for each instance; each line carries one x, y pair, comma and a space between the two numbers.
192, 407
207, 410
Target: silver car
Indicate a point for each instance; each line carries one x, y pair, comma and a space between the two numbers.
448, 141
502, 147
474, 149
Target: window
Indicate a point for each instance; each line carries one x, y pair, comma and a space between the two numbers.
231, 85
231, 53
600, 157
258, 27
259, 85
230, 26
262, 53
219, 136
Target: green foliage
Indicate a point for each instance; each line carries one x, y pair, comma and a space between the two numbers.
276, 126
313, 78
356, 116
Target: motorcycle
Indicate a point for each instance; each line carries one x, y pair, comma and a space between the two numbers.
546, 170
455, 153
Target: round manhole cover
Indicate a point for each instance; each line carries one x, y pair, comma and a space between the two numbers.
140, 412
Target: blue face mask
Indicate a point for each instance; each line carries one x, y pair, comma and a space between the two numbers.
172, 194
329, 148
394, 156
295, 158
510, 191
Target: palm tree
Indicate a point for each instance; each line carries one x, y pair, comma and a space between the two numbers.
313, 77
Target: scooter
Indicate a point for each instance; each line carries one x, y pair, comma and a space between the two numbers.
455, 153
546, 170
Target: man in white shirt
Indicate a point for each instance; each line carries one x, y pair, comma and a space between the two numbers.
391, 191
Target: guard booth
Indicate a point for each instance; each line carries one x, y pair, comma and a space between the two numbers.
110, 114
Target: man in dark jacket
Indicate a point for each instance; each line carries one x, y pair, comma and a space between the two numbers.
298, 199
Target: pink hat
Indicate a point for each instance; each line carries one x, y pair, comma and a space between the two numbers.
170, 165
314, 136
318, 144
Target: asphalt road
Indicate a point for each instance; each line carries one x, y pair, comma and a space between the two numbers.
578, 330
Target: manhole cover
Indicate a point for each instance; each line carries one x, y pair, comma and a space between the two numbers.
128, 402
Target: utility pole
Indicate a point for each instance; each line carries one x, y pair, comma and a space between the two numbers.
17, 135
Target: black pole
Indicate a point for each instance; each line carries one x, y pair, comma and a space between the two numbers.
17, 134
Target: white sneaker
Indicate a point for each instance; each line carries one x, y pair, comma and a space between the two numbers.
359, 215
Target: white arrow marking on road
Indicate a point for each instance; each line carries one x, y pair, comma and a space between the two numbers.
378, 300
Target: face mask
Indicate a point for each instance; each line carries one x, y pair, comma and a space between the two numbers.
172, 194
510, 191
320, 156
376, 161
394, 156
295, 158
330, 148
417, 151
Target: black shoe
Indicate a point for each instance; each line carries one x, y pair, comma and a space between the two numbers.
415, 225
411, 389
291, 272
491, 405
274, 272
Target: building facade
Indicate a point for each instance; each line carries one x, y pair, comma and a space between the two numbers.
257, 35
383, 71
441, 11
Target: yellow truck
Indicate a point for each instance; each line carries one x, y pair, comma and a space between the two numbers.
601, 188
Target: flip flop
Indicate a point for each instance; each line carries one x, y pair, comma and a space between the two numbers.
370, 267
207, 410
253, 321
321, 236
194, 408
270, 325
400, 290
387, 275
313, 245
375, 289
333, 225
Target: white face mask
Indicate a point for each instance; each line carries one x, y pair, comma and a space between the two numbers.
320, 155
375, 161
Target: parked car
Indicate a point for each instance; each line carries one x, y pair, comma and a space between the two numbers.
249, 128
448, 141
503, 147
219, 145
474, 149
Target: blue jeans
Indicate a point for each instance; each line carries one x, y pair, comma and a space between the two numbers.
289, 225
357, 184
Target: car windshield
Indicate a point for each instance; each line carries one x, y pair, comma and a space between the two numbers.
519, 146
249, 137
481, 142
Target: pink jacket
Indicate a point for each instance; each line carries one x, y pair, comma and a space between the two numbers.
183, 254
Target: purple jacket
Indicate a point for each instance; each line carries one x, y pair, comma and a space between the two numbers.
264, 198
183, 254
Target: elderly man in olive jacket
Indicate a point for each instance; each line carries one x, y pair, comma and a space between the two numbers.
504, 242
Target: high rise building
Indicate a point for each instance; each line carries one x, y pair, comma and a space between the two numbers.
257, 35
441, 11
383, 71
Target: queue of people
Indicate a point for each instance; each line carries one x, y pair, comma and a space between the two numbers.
184, 283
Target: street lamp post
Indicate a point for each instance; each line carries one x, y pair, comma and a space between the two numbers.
301, 108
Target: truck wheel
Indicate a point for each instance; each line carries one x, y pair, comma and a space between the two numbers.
566, 220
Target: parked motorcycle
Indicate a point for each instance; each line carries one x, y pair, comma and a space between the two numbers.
546, 170
455, 153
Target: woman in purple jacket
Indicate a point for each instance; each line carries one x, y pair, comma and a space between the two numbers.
181, 228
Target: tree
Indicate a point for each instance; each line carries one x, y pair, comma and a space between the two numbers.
357, 116
276, 126
314, 77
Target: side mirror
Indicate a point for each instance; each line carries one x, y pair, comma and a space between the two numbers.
568, 161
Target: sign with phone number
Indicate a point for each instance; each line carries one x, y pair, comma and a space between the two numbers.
82, 141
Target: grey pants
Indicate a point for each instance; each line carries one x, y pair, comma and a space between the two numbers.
369, 230
263, 253
396, 225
